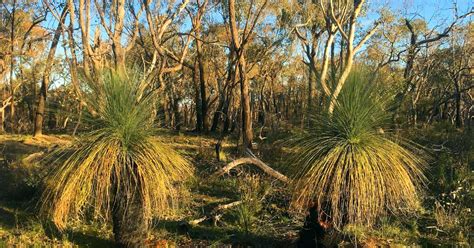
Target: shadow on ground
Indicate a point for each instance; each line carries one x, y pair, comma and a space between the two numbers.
209, 235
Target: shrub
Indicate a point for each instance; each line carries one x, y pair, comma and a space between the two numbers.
352, 168
118, 171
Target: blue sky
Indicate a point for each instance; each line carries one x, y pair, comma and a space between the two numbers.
436, 10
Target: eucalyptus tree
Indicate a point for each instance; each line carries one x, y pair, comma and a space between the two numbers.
22, 38
416, 36
340, 14
239, 46
309, 30
40, 109
450, 90
199, 70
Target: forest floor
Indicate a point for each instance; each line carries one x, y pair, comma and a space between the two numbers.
212, 215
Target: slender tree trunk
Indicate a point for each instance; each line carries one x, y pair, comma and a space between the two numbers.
407, 75
341, 55
333, 62
217, 115
227, 113
244, 83
12, 65
261, 113
457, 98
197, 100
202, 81
177, 117
342, 80
40, 110
245, 98
311, 77
2, 120
166, 107
414, 113
311, 74
325, 65
220, 106
225, 94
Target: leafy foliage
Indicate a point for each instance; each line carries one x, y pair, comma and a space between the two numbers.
350, 167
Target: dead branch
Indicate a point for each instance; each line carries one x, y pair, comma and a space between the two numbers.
255, 161
215, 214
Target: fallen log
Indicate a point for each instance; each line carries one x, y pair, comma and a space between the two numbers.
255, 161
215, 214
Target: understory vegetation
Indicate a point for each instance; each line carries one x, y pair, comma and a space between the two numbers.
264, 217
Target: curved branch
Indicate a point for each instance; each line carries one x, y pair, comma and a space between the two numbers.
255, 161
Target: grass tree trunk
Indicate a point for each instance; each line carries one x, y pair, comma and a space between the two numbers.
129, 223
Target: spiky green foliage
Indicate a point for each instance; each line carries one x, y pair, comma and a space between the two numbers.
350, 168
118, 160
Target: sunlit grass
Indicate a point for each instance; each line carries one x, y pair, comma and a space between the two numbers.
120, 157
350, 167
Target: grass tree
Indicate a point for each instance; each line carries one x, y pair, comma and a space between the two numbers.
118, 171
352, 169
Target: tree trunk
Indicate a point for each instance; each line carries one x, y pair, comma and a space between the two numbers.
225, 95
202, 81
261, 113
311, 76
217, 115
325, 65
130, 228
129, 223
197, 100
2, 121
12, 64
227, 114
244, 84
246, 111
333, 62
341, 81
457, 98
347, 68
40, 110
407, 75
